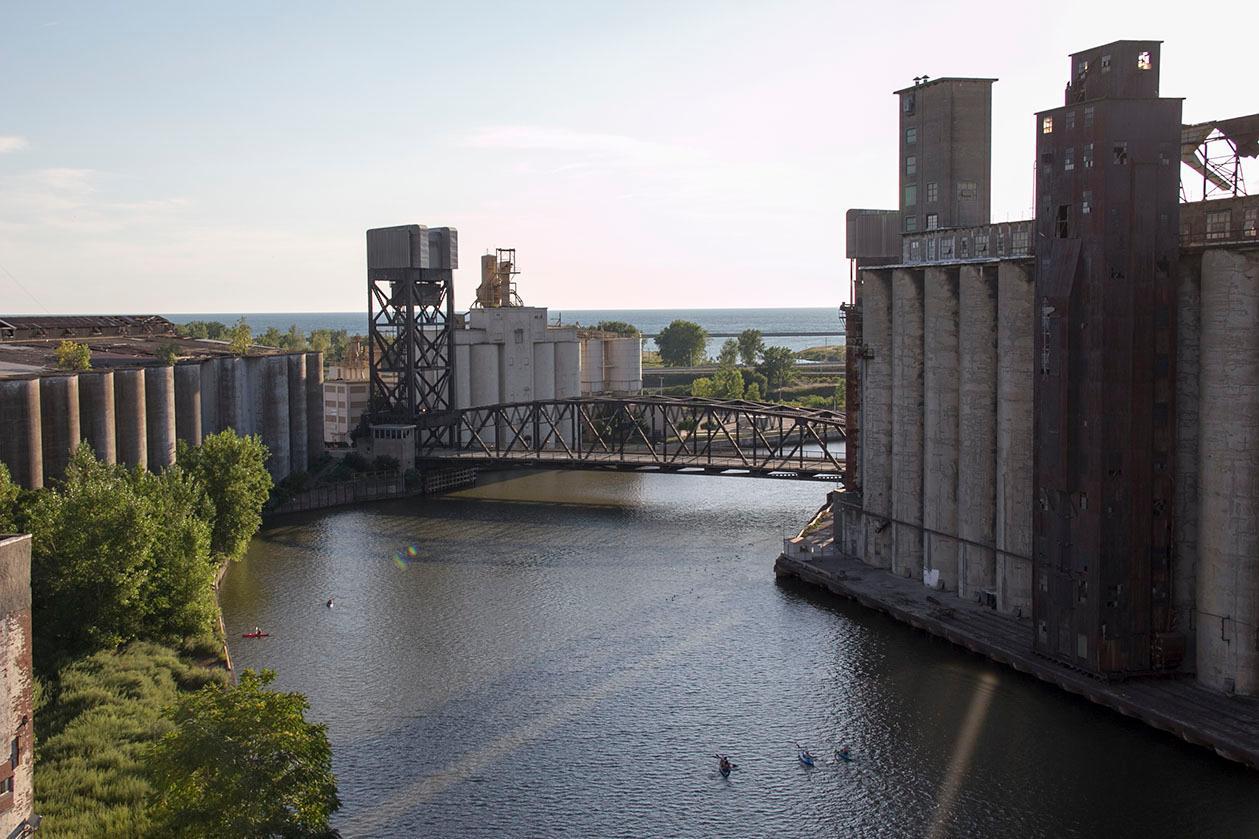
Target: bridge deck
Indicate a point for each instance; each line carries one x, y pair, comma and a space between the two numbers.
807, 469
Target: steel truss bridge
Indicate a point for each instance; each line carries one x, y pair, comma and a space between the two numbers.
659, 434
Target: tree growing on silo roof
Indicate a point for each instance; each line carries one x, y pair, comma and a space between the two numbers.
72, 355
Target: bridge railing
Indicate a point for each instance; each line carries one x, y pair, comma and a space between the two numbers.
661, 432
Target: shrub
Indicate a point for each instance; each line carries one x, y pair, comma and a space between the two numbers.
73, 356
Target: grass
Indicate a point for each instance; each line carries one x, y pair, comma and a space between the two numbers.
98, 719
831, 353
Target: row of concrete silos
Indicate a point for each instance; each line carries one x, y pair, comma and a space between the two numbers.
611, 364
946, 420
134, 416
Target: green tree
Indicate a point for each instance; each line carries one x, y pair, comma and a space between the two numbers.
703, 388
293, 340
272, 337
212, 329
243, 761
168, 353
240, 338
753, 393
232, 469
9, 492
778, 366
178, 590
729, 353
321, 341
620, 327
728, 383
751, 345
682, 343
73, 356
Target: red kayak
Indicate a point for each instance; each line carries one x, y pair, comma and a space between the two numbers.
256, 635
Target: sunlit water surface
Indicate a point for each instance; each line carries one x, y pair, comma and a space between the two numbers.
566, 651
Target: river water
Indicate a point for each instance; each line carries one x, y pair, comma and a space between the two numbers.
566, 651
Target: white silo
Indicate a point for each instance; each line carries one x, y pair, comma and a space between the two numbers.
591, 364
623, 363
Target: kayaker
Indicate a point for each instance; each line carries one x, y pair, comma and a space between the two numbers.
725, 765
843, 753
329, 602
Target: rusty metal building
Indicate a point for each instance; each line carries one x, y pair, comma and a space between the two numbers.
1107, 219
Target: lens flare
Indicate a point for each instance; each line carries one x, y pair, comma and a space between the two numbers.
413, 551
400, 560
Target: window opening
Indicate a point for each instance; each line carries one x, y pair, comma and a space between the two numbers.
1063, 227
1105, 63
1121, 153
1218, 224
1086, 156
933, 221
911, 194
911, 224
907, 101
933, 193
1143, 60
1047, 125
1068, 159
1070, 121
1088, 115
911, 136
911, 165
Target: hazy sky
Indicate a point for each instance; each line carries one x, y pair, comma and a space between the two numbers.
172, 157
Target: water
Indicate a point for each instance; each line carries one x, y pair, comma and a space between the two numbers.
648, 321
568, 650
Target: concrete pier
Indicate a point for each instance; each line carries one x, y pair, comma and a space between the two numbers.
299, 436
59, 408
977, 429
314, 407
131, 422
876, 417
21, 435
1228, 480
96, 414
907, 417
941, 389
188, 403
159, 407
1014, 438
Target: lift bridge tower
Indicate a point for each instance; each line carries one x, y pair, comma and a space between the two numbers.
411, 320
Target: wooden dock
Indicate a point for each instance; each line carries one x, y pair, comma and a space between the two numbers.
1229, 725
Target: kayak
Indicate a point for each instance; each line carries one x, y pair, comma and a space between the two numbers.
806, 758
724, 770
256, 635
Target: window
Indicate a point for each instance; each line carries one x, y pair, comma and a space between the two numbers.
933, 221
911, 195
931, 250
1063, 229
933, 193
946, 248
518, 336
1068, 159
911, 224
981, 244
1082, 68
1250, 222
911, 165
1120, 152
1086, 202
915, 250
1019, 245
15, 754
1088, 115
1047, 125
1086, 156
966, 190
1218, 223
907, 103
1105, 63
1070, 120
1143, 60
964, 248
6, 786
911, 136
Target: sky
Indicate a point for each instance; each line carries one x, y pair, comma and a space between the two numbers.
228, 157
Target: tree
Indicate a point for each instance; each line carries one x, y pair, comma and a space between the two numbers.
682, 343
778, 366
620, 327
321, 341
751, 346
729, 353
243, 761
703, 388
293, 340
232, 469
73, 356
168, 353
9, 492
240, 338
753, 393
272, 337
212, 329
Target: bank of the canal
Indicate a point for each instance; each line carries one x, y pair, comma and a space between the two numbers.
565, 652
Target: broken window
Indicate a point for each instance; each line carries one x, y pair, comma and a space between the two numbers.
1218, 223
1088, 115
933, 221
1121, 153
915, 249
946, 248
1082, 69
966, 190
964, 248
1143, 60
981, 244
1070, 120
911, 165
1250, 222
911, 194
1086, 156
1068, 159
1047, 125
1105, 63
931, 249
911, 136
1019, 244
1062, 226
1086, 203
933, 193
911, 224
907, 102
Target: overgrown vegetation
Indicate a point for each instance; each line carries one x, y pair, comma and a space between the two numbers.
232, 471
682, 344
618, 327
72, 355
333, 343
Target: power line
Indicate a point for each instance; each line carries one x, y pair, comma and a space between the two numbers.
28, 292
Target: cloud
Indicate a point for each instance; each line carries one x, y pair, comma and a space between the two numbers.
10, 143
72, 200
541, 138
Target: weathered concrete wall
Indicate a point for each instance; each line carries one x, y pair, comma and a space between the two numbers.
131, 423
59, 410
314, 407
233, 400
299, 434
21, 431
907, 417
188, 403
211, 421
1188, 370
1228, 478
977, 443
270, 389
876, 417
159, 408
1014, 438
17, 720
941, 389
96, 413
